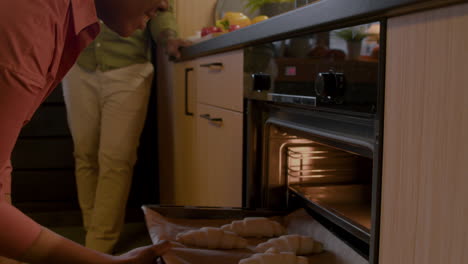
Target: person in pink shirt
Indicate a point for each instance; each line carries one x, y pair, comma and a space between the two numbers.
40, 41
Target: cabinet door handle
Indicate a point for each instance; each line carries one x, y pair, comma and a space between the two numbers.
187, 112
216, 120
215, 66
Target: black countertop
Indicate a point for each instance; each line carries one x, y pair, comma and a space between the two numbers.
318, 16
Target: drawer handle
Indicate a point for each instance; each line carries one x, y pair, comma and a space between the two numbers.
187, 71
215, 120
215, 66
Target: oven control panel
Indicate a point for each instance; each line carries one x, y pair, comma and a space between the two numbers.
320, 70
330, 87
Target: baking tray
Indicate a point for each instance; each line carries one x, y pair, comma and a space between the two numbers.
164, 223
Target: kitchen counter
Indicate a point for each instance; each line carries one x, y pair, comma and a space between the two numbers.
321, 15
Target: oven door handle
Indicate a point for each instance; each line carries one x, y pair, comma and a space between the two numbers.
216, 120
355, 144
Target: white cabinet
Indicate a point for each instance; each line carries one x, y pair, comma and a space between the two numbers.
176, 105
219, 156
177, 137
219, 129
425, 153
201, 139
220, 78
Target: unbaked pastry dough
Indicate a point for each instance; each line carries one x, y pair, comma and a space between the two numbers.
272, 256
255, 227
300, 245
212, 238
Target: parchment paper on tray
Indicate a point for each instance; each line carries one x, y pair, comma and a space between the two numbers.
164, 228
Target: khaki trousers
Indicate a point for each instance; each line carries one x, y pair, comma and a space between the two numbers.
106, 113
2, 259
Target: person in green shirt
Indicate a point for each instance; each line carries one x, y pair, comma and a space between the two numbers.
106, 96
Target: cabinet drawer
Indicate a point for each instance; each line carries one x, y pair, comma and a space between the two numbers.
220, 80
219, 156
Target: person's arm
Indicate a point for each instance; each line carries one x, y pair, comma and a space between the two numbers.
20, 237
51, 248
18, 95
164, 30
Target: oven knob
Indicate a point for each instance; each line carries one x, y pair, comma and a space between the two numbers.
330, 87
261, 82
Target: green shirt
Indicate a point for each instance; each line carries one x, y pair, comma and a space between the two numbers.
111, 51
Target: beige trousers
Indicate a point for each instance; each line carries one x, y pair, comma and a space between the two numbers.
106, 113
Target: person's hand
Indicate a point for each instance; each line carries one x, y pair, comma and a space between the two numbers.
145, 255
173, 46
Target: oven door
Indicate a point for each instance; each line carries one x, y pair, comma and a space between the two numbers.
318, 160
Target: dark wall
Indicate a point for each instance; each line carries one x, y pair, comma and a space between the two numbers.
42, 160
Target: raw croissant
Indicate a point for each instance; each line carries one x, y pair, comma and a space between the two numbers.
211, 237
300, 245
255, 227
273, 257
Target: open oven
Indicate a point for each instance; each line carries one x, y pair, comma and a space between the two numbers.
312, 115
312, 140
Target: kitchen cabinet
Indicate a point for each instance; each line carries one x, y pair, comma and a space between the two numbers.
201, 138
219, 129
177, 110
424, 212
220, 79
219, 156
177, 136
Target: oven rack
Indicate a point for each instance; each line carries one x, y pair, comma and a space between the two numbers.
315, 173
301, 165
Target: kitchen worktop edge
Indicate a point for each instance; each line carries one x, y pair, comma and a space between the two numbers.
318, 16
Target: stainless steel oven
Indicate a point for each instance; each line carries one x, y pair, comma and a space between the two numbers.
336, 70
313, 116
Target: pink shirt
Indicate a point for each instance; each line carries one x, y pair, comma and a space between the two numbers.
39, 42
